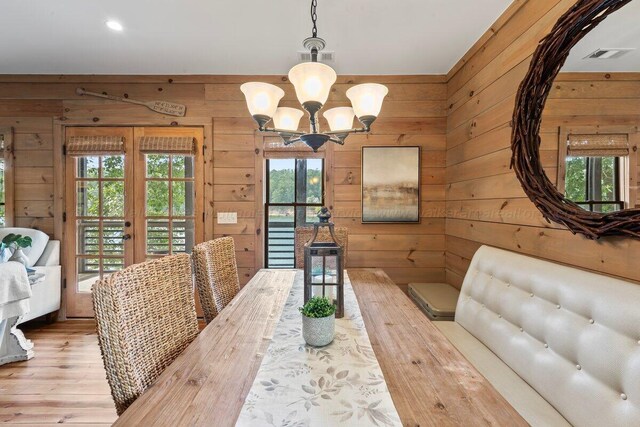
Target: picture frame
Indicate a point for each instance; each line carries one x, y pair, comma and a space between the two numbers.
390, 184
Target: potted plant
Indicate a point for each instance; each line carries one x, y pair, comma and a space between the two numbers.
16, 242
318, 321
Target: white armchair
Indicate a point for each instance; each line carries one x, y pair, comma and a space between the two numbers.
46, 294
44, 257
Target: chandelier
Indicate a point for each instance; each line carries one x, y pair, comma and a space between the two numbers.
312, 82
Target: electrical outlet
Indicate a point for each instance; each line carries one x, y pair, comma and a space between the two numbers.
227, 217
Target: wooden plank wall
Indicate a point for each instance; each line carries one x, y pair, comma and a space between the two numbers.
413, 114
485, 202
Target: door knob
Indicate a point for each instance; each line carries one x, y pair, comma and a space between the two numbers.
126, 237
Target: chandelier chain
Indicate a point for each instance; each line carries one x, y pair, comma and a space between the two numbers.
314, 17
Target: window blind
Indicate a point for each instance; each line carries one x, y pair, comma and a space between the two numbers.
95, 145
275, 147
168, 144
598, 145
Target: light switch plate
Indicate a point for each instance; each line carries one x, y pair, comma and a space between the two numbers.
227, 217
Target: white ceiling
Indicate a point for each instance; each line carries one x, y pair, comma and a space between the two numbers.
237, 36
618, 30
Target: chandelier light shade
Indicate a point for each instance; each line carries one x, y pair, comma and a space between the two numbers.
312, 82
339, 118
262, 98
286, 118
367, 99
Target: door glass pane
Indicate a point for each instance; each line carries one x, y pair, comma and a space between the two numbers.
157, 198
87, 198
88, 237
282, 180
112, 242
310, 181
157, 165
182, 235
111, 265
183, 198
88, 273
280, 245
157, 237
113, 166
88, 167
182, 167
113, 198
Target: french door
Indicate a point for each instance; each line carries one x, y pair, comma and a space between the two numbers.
132, 194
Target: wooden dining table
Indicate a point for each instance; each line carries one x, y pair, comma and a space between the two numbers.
430, 382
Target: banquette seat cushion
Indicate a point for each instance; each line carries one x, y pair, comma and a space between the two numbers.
572, 336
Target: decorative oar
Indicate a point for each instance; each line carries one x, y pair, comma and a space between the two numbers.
162, 107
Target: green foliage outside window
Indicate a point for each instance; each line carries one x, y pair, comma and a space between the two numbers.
157, 192
600, 173
282, 186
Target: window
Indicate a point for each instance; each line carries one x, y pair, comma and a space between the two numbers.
594, 183
295, 192
6, 177
597, 167
2, 190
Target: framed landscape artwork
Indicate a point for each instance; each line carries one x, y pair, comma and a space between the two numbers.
390, 184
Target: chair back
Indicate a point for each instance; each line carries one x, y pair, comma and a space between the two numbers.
145, 317
304, 234
216, 273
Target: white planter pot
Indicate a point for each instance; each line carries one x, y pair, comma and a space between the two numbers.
320, 331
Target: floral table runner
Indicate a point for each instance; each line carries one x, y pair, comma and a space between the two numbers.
299, 385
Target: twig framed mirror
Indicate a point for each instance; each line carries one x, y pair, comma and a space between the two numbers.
533, 93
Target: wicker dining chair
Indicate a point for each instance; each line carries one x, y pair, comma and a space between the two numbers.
216, 273
304, 234
145, 317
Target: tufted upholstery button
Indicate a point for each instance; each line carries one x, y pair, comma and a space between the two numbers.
591, 321
531, 294
558, 306
623, 396
508, 285
578, 367
546, 346
521, 330
499, 316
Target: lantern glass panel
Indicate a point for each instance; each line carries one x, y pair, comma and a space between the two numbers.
331, 269
317, 269
317, 291
331, 292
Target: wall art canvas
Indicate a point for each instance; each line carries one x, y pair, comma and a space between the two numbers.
390, 184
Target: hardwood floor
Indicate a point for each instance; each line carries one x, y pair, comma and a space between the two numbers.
64, 383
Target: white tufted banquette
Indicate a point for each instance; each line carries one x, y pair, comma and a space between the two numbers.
571, 335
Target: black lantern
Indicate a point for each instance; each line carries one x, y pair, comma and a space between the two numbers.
323, 265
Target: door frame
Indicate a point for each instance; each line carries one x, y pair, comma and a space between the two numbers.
59, 197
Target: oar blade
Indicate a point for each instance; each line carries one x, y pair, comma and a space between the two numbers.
168, 108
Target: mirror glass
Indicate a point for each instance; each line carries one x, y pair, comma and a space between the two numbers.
590, 122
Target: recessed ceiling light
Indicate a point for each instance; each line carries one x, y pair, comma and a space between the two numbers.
114, 25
